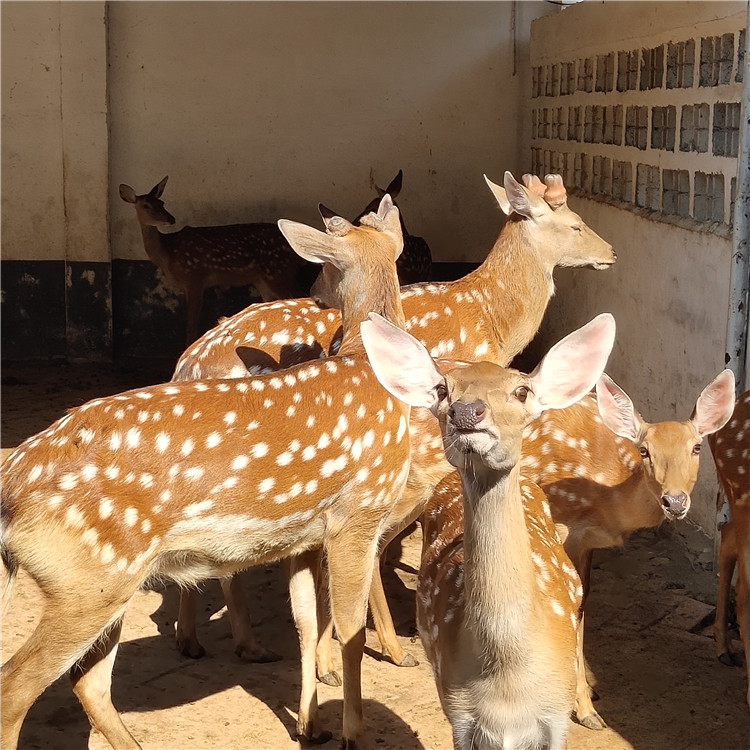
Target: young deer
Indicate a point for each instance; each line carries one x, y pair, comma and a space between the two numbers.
415, 263
491, 314
497, 598
731, 451
196, 258
607, 472
192, 480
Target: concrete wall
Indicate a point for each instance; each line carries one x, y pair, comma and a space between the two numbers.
256, 111
261, 110
669, 290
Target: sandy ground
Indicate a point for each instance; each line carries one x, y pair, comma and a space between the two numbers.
661, 686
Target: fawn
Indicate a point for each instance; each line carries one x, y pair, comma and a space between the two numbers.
731, 451
606, 472
497, 598
200, 479
196, 258
490, 314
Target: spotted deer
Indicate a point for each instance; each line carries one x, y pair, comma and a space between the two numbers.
607, 472
492, 314
191, 480
497, 598
196, 258
731, 451
415, 263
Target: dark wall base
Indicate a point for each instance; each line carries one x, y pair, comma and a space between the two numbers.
118, 311
53, 309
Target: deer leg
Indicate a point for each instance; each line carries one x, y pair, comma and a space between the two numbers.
585, 712
727, 561
245, 645
351, 559
381, 614
325, 668
304, 608
185, 633
743, 602
64, 635
194, 299
91, 680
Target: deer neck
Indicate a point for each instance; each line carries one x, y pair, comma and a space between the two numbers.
155, 244
516, 286
381, 295
498, 568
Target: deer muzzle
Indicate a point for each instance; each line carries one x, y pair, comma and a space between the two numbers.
675, 505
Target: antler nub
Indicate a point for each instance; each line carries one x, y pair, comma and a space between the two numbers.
534, 184
555, 194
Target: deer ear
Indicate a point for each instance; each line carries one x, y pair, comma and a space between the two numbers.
394, 187
715, 404
500, 196
310, 244
523, 201
158, 189
617, 410
400, 363
127, 193
572, 366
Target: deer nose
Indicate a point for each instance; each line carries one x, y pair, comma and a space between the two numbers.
466, 416
614, 254
676, 505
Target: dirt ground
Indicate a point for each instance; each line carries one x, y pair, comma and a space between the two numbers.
660, 684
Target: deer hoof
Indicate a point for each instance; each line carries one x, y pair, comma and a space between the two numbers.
593, 721
256, 654
348, 744
407, 660
331, 678
191, 649
730, 659
310, 740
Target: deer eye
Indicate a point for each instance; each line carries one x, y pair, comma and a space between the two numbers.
521, 393
577, 228
441, 391
644, 452
696, 449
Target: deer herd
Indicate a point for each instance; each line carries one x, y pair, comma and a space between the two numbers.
315, 429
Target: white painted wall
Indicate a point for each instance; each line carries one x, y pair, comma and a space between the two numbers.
54, 132
261, 110
257, 110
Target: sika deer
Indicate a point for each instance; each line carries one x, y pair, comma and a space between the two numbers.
731, 452
497, 598
196, 258
415, 263
200, 479
492, 313
607, 472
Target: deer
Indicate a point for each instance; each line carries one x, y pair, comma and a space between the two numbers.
731, 453
497, 597
193, 480
607, 472
196, 258
415, 263
492, 313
